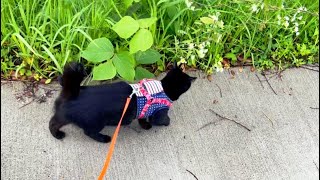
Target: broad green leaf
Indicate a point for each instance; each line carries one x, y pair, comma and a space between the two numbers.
126, 27
142, 41
129, 57
22, 72
29, 73
104, 71
149, 56
143, 73
231, 56
207, 20
172, 11
127, 3
147, 22
98, 50
124, 67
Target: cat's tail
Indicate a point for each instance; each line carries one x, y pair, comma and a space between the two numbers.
72, 76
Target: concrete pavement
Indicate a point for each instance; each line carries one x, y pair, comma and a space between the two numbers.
283, 141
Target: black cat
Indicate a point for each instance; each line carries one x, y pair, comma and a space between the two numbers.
93, 107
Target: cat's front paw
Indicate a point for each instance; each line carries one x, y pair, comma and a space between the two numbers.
144, 124
147, 126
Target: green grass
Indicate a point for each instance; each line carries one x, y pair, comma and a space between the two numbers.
39, 37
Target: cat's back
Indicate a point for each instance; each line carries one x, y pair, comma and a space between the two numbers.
107, 96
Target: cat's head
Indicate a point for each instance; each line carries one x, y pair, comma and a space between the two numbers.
176, 82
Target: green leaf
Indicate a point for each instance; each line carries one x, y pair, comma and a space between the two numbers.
127, 3
128, 56
47, 81
29, 73
104, 71
142, 41
207, 20
124, 66
147, 22
126, 27
231, 56
98, 50
143, 73
22, 72
172, 11
149, 56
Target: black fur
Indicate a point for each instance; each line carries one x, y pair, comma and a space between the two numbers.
93, 107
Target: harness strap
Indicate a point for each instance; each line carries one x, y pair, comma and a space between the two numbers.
150, 99
113, 142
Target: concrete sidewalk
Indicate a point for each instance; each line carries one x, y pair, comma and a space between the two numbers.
283, 142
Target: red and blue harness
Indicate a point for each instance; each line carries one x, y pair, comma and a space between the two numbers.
150, 97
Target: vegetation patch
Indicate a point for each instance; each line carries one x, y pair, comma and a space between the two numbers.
133, 39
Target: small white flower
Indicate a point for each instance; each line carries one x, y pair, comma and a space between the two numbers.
201, 55
297, 33
296, 29
182, 61
203, 44
279, 17
202, 52
208, 43
188, 3
286, 24
262, 6
296, 24
294, 17
214, 17
200, 46
286, 18
254, 8
300, 17
301, 9
219, 69
191, 46
220, 24
182, 32
279, 22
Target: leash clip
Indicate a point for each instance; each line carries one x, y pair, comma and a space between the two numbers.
134, 91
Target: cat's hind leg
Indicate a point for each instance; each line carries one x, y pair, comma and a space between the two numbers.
55, 124
95, 134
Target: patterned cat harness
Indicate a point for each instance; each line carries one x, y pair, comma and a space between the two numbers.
150, 97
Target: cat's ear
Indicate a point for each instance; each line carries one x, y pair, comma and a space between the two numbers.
176, 66
192, 79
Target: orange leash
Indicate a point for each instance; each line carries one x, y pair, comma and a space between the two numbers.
113, 142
